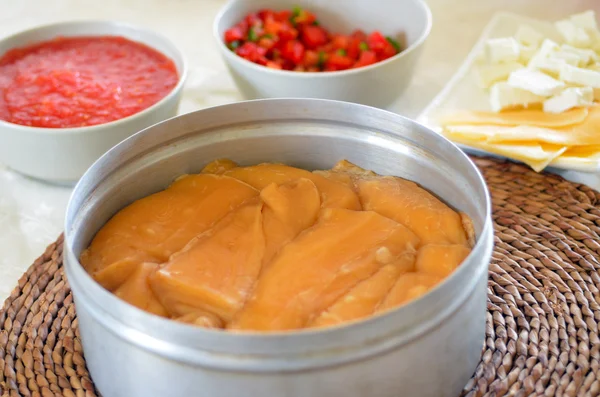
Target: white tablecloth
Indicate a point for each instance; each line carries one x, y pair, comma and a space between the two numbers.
31, 212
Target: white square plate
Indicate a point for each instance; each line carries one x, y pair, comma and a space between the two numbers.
462, 91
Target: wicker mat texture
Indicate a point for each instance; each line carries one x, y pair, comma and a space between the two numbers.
543, 301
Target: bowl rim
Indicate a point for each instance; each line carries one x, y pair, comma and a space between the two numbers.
59, 26
75, 270
324, 74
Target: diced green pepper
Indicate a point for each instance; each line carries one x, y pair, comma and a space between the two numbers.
296, 12
252, 36
342, 52
322, 59
316, 23
394, 43
233, 45
363, 46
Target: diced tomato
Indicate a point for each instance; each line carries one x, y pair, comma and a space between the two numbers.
360, 35
293, 51
288, 32
253, 19
388, 51
366, 58
271, 24
340, 42
274, 65
252, 52
264, 14
313, 36
353, 49
313, 69
244, 26
267, 42
339, 62
284, 30
234, 34
327, 48
376, 42
284, 15
288, 65
262, 60
311, 58
305, 18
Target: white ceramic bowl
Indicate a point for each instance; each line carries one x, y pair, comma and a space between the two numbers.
61, 155
377, 85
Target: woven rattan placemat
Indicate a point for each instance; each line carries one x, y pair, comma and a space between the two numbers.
543, 301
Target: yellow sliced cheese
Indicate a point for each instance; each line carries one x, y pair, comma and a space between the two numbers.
584, 133
474, 133
501, 134
576, 163
534, 117
534, 154
583, 151
581, 157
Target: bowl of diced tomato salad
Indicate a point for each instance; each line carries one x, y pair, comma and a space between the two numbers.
355, 51
295, 40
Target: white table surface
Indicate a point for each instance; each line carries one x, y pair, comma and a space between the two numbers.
31, 213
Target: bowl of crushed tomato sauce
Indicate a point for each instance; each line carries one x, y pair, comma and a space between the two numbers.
363, 52
71, 91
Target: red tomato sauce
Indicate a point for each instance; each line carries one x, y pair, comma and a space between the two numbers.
82, 81
295, 40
